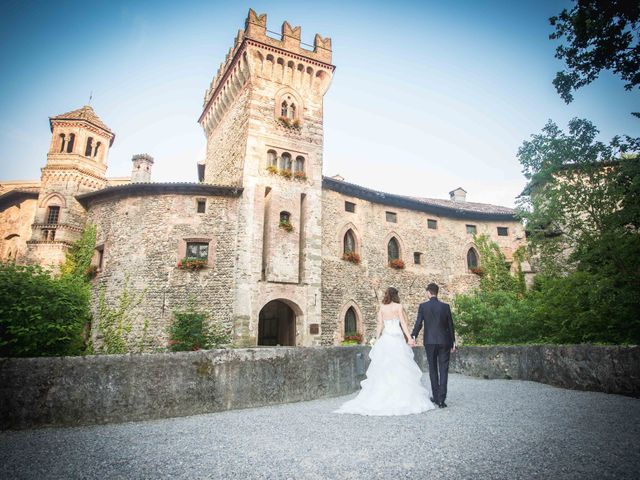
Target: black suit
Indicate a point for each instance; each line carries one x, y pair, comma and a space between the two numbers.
439, 338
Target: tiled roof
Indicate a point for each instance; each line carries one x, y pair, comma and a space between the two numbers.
85, 113
436, 206
17, 194
467, 206
148, 188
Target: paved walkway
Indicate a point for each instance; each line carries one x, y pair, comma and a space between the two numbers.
497, 429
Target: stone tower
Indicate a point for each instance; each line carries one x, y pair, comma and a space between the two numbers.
141, 170
263, 121
76, 163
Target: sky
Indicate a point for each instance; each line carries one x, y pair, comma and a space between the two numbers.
427, 96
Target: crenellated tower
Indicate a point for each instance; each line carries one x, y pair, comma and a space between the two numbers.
263, 119
76, 163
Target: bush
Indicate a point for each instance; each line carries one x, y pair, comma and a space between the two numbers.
189, 331
41, 315
115, 324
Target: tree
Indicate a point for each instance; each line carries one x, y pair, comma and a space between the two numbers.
600, 35
78, 259
577, 187
41, 314
582, 213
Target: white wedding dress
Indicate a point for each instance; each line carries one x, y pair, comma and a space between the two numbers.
392, 386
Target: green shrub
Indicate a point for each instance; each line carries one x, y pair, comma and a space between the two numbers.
190, 331
41, 315
115, 324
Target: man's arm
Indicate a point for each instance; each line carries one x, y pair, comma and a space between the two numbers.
453, 332
418, 325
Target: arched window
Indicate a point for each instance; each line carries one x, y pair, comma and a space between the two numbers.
285, 161
349, 242
393, 249
299, 163
292, 111
97, 149
53, 214
350, 324
62, 142
72, 139
472, 259
272, 158
89, 148
284, 109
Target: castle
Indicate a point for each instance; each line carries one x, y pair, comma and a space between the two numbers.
263, 242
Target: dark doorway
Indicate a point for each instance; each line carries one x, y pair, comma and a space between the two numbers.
277, 324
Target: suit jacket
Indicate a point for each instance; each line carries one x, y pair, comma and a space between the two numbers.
438, 323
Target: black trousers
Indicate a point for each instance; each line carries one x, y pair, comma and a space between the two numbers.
438, 359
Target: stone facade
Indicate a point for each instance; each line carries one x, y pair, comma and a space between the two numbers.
273, 225
442, 252
142, 237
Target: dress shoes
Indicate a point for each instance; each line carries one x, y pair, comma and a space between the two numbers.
442, 405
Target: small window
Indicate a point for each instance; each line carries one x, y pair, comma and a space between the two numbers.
272, 158
472, 259
299, 164
349, 243
349, 207
285, 217
392, 217
284, 109
198, 250
100, 253
503, 232
417, 258
72, 139
472, 229
53, 214
285, 161
89, 148
393, 250
350, 324
432, 224
202, 206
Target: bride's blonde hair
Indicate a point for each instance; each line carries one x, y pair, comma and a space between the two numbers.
391, 295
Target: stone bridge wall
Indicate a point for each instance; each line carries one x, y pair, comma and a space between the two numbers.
71, 391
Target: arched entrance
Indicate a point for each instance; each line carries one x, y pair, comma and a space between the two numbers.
277, 324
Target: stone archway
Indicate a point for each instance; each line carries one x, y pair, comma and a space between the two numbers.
277, 324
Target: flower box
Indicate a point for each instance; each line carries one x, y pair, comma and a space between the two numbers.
352, 339
286, 226
477, 270
397, 264
288, 123
352, 257
300, 176
272, 169
190, 263
286, 173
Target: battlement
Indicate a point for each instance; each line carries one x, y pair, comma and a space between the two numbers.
256, 30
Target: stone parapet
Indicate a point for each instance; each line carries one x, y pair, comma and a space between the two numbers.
72, 391
610, 369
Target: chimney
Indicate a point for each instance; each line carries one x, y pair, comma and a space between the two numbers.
141, 172
458, 195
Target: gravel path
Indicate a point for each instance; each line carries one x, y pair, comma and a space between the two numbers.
492, 429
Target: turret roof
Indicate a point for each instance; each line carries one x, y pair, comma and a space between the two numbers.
85, 113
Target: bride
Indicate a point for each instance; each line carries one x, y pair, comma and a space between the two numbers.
392, 386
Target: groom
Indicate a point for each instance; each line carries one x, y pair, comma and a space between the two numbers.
439, 341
